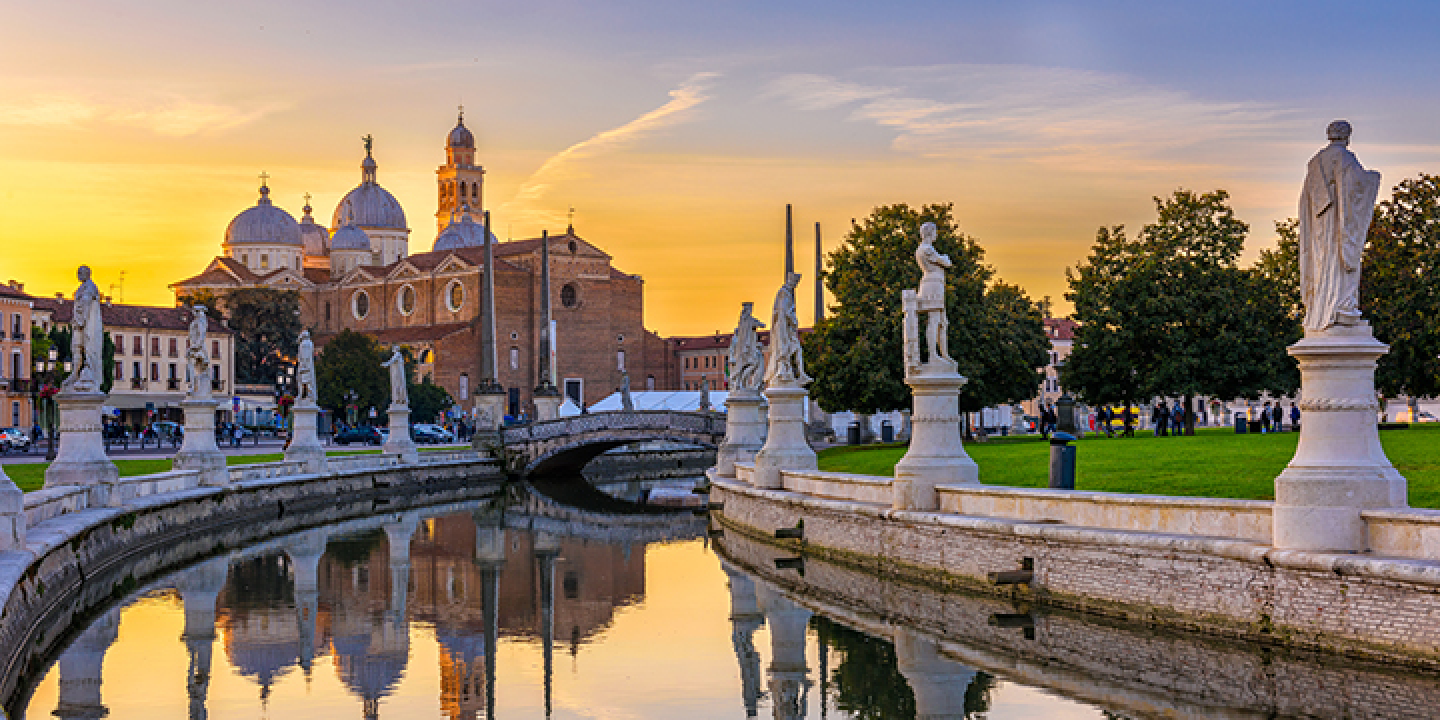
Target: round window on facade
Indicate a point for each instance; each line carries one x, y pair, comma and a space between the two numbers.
568, 296
405, 300
360, 304
455, 296
573, 247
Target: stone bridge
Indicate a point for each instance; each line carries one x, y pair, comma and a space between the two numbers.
567, 444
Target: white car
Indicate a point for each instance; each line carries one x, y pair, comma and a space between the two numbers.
14, 439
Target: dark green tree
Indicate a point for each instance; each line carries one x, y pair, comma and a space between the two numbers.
351, 361
856, 354
427, 400
1277, 274
267, 328
1398, 290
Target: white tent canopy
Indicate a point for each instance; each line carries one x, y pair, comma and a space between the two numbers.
684, 401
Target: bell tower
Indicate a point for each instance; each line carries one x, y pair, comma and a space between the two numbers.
460, 181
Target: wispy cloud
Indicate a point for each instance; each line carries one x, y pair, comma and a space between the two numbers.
562, 165
169, 114
1050, 115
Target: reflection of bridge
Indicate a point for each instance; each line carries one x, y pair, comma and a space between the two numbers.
565, 445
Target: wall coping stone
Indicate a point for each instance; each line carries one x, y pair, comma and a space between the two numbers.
1107, 498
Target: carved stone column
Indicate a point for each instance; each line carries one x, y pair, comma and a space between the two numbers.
1339, 468
789, 673
81, 458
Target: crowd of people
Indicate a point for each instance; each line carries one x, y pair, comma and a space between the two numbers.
1170, 419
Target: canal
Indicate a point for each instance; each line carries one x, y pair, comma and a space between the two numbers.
568, 606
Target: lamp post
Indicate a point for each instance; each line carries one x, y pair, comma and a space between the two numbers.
52, 369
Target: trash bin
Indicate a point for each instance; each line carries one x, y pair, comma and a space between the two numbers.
1240, 426
887, 432
853, 433
1062, 461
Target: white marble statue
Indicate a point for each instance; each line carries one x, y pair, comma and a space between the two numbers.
87, 337
786, 366
198, 367
399, 393
1336, 206
932, 294
704, 394
305, 375
626, 402
746, 356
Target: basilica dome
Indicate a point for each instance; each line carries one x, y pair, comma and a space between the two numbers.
369, 205
263, 224
462, 233
349, 237
315, 237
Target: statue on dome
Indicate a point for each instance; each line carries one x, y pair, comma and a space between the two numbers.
87, 337
369, 144
1336, 207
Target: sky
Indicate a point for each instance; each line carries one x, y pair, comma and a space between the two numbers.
130, 134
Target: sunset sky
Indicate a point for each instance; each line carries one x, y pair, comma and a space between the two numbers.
131, 133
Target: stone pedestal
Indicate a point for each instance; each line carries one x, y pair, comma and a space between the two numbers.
81, 458
490, 415
12, 514
400, 443
199, 451
785, 445
304, 441
547, 406
744, 433
1339, 468
936, 454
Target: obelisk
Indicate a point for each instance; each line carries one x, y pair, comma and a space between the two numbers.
547, 397
490, 394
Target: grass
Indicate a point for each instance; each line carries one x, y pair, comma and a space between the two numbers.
1214, 463
31, 476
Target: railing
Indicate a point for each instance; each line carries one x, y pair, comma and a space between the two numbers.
128, 489
698, 423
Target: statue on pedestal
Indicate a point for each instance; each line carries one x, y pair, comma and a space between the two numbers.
626, 402
198, 365
931, 295
399, 393
305, 374
746, 357
87, 337
786, 366
1336, 206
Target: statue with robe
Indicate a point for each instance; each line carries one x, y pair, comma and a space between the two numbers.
931, 295
786, 366
746, 356
399, 392
1336, 206
198, 362
87, 337
305, 375
627, 403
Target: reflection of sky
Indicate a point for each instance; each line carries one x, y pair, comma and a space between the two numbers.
678, 130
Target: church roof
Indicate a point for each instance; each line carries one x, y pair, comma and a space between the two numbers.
350, 237
315, 237
530, 245
263, 224
462, 233
131, 316
222, 271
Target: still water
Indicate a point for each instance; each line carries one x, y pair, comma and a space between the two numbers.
529, 608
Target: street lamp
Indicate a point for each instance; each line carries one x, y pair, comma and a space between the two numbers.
50, 368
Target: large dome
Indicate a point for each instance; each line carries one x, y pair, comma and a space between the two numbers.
349, 237
462, 233
263, 224
369, 205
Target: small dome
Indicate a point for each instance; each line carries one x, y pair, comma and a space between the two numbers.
315, 237
263, 224
460, 137
462, 233
349, 237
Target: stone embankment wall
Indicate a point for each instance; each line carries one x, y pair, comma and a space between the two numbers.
87, 546
1381, 608
1138, 672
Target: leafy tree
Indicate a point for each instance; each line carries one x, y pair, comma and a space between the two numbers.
266, 323
856, 354
1398, 292
1173, 312
427, 400
351, 361
1277, 274
214, 304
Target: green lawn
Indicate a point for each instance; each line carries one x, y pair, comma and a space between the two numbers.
31, 476
1214, 463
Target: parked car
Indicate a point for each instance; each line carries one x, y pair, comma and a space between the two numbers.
431, 433
14, 439
1405, 416
365, 435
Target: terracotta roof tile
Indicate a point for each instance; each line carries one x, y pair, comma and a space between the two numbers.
131, 316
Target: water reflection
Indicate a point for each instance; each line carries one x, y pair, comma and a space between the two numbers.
465, 605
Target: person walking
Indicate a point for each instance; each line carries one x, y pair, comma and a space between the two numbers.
1279, 420
1177, 420
1294, 417
1160, 418
1265, 417
1128, 417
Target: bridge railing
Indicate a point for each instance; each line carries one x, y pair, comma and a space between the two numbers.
696, 423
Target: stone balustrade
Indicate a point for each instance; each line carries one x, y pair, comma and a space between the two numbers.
444, 456
266, 470
1408, 533
346, 463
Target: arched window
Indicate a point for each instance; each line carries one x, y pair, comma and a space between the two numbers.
360, 304
569, 297
405, 300
462, 188
455, 296
475, 190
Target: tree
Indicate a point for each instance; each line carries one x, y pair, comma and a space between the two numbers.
351, 361
856, 354
1174, 312
428, 400
1398, 293
266, 323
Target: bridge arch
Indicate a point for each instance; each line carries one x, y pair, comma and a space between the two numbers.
566, 445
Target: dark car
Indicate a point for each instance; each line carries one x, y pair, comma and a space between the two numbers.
424, 434
364, 435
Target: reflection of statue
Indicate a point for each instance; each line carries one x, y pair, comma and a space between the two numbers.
87, 337
198, 367
1336, 207
786, 365
399, 394
305, 377
626, 402
932, 293
746, 357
